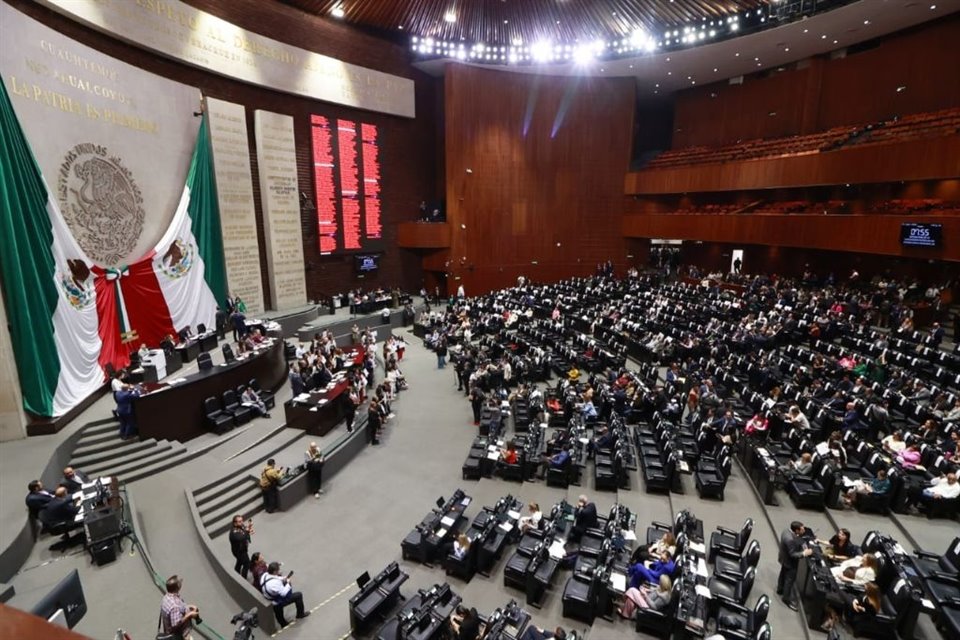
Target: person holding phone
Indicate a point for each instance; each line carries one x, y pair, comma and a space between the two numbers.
240, 544
279, 591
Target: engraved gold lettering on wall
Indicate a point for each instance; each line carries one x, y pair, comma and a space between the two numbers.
231, 164
175, 29
280, 194
66, 94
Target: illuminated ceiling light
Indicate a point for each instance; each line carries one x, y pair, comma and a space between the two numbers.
450, 16
713, 33
701, 36
734, 27
582, 55
736, 55
786, 49
806, 30
337, 11
866, 22
823, 37
901, 88
461, 54
517, 42
400, 27
414, 39
540, 51
834, 42
933, 7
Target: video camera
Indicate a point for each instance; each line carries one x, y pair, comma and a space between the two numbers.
245, 622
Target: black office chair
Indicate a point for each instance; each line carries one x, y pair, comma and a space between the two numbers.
201, 329
733, 588
227, 353
764, 632
896, 600
927, 563
711, 481
465, 567
580, 594
729, 540
560, 477
811, 493
660, 622
241, 414
217, 419
204, 362
728, 563
736, 622
268, 400
949, 620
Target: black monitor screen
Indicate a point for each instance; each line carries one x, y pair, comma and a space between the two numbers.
66, 596
921, 234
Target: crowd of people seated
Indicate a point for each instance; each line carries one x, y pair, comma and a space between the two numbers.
840, 383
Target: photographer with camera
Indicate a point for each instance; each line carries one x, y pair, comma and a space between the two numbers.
270, 479
240, 544
176, 616
280, 592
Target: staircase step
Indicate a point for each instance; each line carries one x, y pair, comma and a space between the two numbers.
222, 500
129, 447
115, 443
144, 469
216, 493
124, 468
244, 504
96, 429
252, 457
108, 467
98, 438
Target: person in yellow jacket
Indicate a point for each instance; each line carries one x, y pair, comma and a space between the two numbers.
270, 486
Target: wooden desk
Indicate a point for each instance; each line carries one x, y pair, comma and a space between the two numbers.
175, 412
321, 413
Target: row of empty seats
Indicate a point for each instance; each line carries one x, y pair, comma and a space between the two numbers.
912, 127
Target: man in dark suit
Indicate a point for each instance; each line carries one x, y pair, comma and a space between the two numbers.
37, 499
61, 509
73, 480
792, 548
322, 377
296, 380
584, 518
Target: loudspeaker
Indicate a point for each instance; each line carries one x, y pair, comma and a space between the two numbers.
104, 552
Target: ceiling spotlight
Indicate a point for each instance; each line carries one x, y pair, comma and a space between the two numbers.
582, 55
714, 69
866, 22
337, 11
450, 16
786, 49
933, 7
734, 27
901, 88
540, 51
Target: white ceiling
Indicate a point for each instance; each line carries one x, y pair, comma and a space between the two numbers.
703, 64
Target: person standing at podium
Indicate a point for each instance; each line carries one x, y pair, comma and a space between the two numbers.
124, 398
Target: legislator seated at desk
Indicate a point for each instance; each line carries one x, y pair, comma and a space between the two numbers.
60, 513
73, 479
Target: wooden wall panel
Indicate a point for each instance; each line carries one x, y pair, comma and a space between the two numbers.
741, 112
408, 151
877, 234
423, 235
534, 170
859, 88
915, 160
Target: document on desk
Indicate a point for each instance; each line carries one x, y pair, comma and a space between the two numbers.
506, 527
314, 409
557, 550
684, 466
701, 567
702, 590
303, 397
447, 521
696, 547
441, 533
584, 440
618, 581
628, 535
493, 455
514, 515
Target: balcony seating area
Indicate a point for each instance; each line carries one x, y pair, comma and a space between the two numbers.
899, 129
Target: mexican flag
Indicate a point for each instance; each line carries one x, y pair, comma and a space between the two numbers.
69, 318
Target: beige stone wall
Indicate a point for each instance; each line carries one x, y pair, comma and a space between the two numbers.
12, 420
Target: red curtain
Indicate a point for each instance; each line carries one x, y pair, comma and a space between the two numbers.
147, 312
